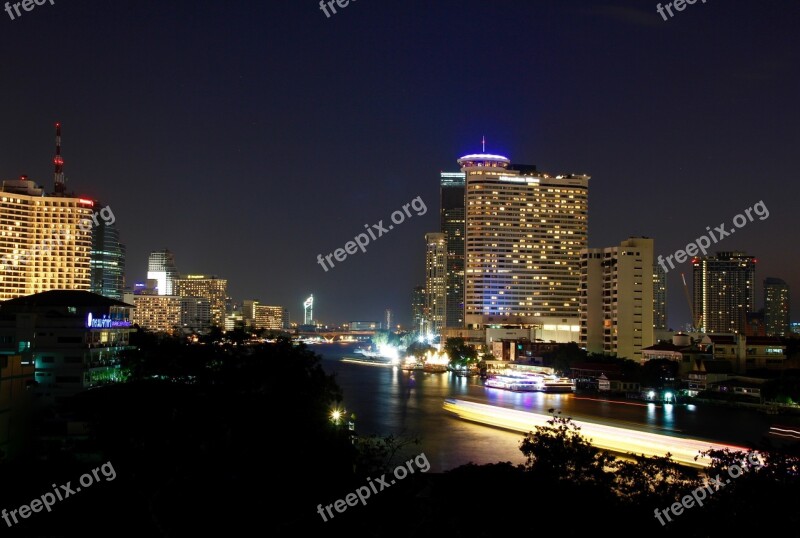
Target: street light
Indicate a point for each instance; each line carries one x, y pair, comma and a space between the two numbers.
336, 416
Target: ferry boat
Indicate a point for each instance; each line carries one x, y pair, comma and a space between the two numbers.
519, 382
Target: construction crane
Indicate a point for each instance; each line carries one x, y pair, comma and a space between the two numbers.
695, 320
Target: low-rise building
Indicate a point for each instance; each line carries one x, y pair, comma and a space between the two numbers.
16, 381
614, 383
74, 338
750, 353
705, 375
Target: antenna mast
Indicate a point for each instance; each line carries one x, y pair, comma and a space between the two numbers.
58, 162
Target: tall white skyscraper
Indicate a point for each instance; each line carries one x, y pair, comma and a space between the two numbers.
524, 233
161, 268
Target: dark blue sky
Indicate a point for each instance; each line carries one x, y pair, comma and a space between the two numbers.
248, 137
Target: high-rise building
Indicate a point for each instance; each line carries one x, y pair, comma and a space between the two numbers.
158, 313
435, 283
259, 316
196, 314
524, 233
617, 298
211, 288
776, 307
161, 267
308, 311
107, 260
659, 298
418, 308
723, 291
388, 323
453, 219
46, 241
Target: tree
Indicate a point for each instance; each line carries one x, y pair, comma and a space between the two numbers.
460, 352
659, 373
563, 357
558, 452
419, 349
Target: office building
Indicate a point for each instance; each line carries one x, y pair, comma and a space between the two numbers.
453, 222
435, 283
45, 242
107, 260
418, 308
260, 317
524, 233
74, 338
212, 289
776, 307
196, 315
723, 291
659, 298
161, 267
158, 313
389, 319
616, 305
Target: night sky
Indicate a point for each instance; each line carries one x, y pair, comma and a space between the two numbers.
248, 137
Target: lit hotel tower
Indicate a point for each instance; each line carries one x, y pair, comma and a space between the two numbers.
524, 233
44, 245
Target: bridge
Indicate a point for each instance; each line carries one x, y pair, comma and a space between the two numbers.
338, 336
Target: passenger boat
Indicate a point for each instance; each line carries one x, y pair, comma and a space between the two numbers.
523, 382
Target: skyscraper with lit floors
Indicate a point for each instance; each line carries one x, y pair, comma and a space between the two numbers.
45, 243
524, 233
723, 291
435, 283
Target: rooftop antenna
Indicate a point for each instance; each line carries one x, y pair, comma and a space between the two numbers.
483, 142
58, 161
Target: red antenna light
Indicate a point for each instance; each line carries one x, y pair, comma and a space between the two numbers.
58, 162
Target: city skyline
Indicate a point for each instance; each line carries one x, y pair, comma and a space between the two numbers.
176, 146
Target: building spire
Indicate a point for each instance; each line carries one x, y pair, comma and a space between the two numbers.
58, 161
483, 142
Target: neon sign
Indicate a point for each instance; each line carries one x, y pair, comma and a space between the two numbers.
105, 323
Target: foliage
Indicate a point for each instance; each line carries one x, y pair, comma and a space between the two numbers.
460, 352
659, 373
375, 453
419, 349
559, 452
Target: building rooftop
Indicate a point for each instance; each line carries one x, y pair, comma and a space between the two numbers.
60, 298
